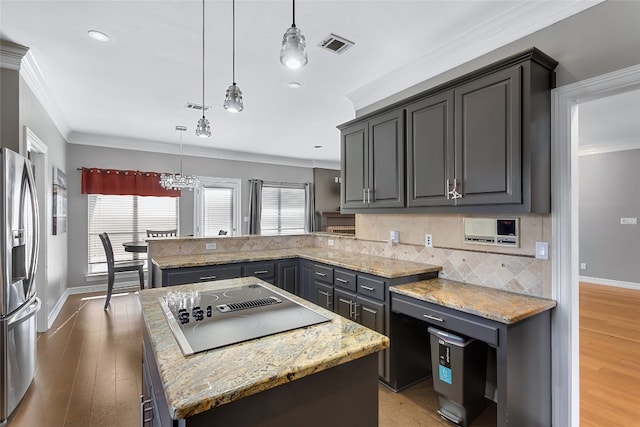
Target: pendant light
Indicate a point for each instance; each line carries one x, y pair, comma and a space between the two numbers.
203, 129
293, 54
179, 181
233, 99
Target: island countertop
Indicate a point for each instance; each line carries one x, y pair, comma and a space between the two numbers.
380, 266
494, 304
203, 381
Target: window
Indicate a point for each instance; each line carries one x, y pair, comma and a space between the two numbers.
125, 219
217, 208
283, 209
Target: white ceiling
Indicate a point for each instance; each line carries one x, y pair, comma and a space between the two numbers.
131, 91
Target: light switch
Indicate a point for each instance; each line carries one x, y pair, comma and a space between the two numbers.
210, 246
542, 250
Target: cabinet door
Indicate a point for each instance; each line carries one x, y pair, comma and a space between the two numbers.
355, 140
386, 160
488, 140
180, 276
344, 304
371, 314
305, 284
287, 278
430, 150
322, 295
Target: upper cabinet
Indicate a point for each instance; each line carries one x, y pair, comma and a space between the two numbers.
372, 163
480, 143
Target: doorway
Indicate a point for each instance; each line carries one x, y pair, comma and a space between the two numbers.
565, 214
37, 154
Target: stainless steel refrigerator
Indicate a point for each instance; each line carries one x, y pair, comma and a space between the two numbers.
18, 302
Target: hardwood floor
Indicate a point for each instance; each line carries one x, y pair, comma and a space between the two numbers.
88, 367
609, 356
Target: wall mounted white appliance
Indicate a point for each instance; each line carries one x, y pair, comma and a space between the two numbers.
19, 237
492, 231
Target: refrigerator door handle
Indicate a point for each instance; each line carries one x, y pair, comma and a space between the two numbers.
29, 181
23, 314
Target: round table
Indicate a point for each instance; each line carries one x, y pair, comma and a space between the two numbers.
139, 246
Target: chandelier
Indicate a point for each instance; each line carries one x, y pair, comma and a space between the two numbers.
178, 181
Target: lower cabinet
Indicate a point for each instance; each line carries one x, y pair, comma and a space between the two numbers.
305, 280
181, 276
287, 277
322, 295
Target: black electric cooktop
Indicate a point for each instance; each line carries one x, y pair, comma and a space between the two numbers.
206, 320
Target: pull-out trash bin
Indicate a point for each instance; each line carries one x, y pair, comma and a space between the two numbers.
459, 374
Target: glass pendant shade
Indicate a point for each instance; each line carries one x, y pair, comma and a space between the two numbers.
293, 54
233, 99
203, 129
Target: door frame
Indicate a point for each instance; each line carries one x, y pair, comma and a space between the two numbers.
39, 157
565, 366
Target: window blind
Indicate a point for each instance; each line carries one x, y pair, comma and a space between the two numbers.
125, 219
218, 210
283, 209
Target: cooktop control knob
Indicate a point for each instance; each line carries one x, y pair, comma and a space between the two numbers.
208, 311
198, 314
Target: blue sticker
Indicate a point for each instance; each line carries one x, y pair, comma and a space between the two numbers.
444, 374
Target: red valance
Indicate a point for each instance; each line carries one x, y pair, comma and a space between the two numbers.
124, 182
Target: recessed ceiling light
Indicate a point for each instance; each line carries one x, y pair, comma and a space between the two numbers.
317, 146
97, 35
294, 85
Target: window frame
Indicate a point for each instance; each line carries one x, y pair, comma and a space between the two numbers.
198, 203
285, 185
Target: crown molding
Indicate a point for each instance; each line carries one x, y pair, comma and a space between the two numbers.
34, 78
609, 146
124, 143
11, 55
531, 17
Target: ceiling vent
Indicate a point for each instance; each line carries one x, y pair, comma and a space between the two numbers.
335, 44
194, 106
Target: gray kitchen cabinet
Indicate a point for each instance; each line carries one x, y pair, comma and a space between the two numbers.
287, 277
430, 150
322, 295
479, 143
372, 163
305, 283
182, 275
263, 270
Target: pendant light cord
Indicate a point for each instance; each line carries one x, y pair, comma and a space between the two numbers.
203, 108
233, 50
294, 14
181, 153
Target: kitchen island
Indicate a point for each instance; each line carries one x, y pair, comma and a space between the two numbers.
319, 375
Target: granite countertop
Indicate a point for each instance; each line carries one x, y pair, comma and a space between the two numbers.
202, 381
502, 306
380, 266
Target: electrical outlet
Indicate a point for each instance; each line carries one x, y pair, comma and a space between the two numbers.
330, 242
210, 246
583, 266
628, 221
428, 241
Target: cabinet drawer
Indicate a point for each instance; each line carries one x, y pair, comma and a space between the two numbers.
344, 279
370, 287
323, 273
261, 270
200, 274
462, 323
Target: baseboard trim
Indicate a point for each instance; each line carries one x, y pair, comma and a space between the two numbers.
608, 282
84, 290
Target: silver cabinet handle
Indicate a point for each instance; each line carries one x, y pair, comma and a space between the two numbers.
320, 274
368, 195
364, 195
327, 296
261, 272
144, 409
437, 319
446, 189
208, 277
356, 306
453, 194
338, 279
367, 288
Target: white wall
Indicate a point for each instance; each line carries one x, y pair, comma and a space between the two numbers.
91, 156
